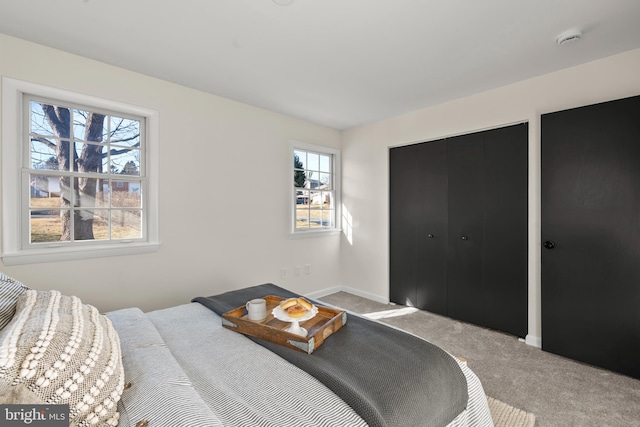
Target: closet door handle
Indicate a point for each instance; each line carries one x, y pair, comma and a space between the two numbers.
430, 236
549, 244
464, 238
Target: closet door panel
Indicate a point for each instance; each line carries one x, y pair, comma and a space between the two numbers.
505, 238
591, 211
465, 248
431, 237
403, 213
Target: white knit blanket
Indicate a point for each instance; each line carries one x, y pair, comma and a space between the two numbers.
56, 350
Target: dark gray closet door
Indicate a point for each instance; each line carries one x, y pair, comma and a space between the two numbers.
431, 237
465, 157
418, 226
506, 229
591, 234
403, 218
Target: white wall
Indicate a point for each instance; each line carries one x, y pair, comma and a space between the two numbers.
364, 262
223, 192
231, 168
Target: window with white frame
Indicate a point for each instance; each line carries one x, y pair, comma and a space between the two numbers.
84, 177
315, 187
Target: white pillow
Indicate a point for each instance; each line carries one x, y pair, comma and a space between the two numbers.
57, 350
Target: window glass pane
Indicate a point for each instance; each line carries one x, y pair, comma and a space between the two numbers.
299, 175
125, 162
90, 223
299, 178
315, 218
325, 181
79, 124
302, 197
327, 218
66, 190
44, 191
39, 124
92, 157
84, 215
43, 153
102, 193
312, 180
313, 162
299, 159
325, 163
88, 126
302, 217
46, 226
124, 132
315, 197
126, 224
94, 224
126, 194
105, 168
87, 194
327, 199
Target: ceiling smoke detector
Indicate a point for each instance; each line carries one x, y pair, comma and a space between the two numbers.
569, 36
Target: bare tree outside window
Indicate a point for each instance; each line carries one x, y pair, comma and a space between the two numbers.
80, 154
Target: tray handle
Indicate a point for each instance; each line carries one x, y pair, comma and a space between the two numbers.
226, 322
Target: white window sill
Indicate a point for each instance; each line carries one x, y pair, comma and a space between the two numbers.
314, 233
67, 254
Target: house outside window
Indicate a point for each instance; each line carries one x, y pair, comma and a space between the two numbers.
83, 176
315, 188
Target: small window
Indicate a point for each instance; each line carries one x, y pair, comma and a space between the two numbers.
315, 188
86, 179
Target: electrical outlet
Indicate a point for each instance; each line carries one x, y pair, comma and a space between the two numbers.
298, 270
307, 269
284, 273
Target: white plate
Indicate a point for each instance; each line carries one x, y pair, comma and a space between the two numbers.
280, 314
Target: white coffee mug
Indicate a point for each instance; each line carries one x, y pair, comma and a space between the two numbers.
257, 309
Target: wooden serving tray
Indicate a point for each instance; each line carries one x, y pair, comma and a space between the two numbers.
326, 322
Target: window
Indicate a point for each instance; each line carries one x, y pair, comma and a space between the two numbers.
80, 173
315, 188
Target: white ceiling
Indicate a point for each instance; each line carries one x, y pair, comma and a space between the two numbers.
339, 63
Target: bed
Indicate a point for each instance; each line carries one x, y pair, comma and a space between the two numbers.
180, 367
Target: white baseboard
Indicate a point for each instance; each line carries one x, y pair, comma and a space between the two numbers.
364, 294
324, 292
353, 291
534, 341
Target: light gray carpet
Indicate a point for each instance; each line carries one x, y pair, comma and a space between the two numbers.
558, 391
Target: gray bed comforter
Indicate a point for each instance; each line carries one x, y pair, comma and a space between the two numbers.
389, 377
